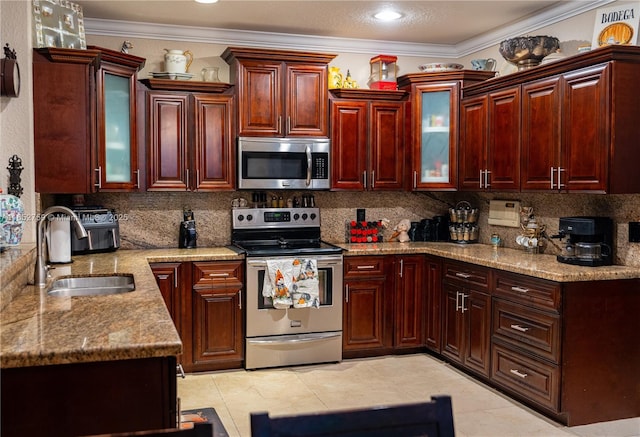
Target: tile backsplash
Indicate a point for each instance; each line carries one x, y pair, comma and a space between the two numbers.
152, 219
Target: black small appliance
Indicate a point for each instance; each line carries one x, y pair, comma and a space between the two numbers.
433, 229
589, 241
188, 234
103, 229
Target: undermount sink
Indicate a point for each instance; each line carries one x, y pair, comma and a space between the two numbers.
74, 286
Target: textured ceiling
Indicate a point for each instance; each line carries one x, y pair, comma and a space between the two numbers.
429, 22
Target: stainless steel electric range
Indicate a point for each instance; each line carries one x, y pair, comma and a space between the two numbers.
281, 337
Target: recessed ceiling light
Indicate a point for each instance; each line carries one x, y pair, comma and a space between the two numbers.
388, 15
207, 1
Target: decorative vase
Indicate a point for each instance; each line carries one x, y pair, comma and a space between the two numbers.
177, 61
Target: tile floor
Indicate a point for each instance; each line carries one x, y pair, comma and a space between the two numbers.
478, 410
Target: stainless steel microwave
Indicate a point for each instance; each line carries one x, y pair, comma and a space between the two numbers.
284, 163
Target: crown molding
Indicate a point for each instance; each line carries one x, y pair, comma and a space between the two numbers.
131, 29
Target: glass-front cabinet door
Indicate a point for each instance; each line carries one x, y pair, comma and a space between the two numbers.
434, 148
116, 131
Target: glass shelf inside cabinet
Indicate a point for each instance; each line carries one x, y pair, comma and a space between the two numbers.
436, 110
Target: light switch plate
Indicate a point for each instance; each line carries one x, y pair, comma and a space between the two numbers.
504, 213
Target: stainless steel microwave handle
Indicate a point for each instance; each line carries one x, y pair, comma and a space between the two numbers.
308, 152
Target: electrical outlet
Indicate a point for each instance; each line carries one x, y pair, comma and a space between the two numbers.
634, 232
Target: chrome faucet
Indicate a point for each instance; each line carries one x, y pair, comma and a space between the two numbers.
42, 267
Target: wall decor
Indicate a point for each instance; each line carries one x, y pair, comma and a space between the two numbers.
616, 25
9, 73
58, 23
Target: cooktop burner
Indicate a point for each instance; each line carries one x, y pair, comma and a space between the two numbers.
279, 232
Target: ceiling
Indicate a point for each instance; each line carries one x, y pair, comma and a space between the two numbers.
431, 22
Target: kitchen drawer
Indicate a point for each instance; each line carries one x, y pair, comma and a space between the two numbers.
528, 328
539, 293
214, 274
467, 274
534, 380
363, 266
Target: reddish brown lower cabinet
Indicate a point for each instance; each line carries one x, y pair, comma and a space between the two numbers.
365, 325
89, 398
216, 323
466, 316
409, 291
433, 303
205, 302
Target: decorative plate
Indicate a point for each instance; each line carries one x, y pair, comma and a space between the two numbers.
438, 67
11, 220
173, 76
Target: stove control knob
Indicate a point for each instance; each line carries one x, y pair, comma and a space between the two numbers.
313, 216
249, 217
304, 216
296, 216
240, 217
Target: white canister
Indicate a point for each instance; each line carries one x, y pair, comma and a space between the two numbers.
59, 239
177, 61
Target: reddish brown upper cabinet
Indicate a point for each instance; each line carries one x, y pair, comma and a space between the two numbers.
576, 120
190, 140
85, 120
431, 134
367, 140
489, 157
280, 93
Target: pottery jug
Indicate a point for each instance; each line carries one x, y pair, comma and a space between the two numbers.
177, 61
335, 78
488, 64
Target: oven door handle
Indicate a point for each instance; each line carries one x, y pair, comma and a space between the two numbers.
322, 262
302, 338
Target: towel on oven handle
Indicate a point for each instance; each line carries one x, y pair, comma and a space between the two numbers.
306, 291
292, 281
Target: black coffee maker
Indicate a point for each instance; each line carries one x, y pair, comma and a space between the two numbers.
589, 241
188, 234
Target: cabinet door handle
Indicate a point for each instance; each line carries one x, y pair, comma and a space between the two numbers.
463, 296
195, 188
415, 179
481, 177
364, 178
487, 184
240, 299
551, 177
175, 277
137, 172
279, 124
463, 275
186, 182
458, 301
365, 267
99, 171
518, 373
288, 124
560, 184
346, 293
180, 371
520, 328
373, 179
519, 289
401, 267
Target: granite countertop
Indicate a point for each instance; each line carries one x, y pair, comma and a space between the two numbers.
42, 330
512, 260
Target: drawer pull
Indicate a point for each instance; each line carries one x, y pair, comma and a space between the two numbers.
218, 275
519, 289
365, 267
463, 275
518, 373
520, 328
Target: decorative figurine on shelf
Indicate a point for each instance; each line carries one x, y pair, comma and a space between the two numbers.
402, 231
126, 46
349, 82
335, 78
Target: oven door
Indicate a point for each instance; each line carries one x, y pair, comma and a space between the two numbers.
283, 163
264, 320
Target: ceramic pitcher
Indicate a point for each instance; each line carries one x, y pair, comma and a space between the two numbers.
177, 61
488, 64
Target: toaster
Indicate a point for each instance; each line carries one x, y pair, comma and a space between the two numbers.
102, 228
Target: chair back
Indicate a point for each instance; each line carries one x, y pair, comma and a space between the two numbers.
432, 419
